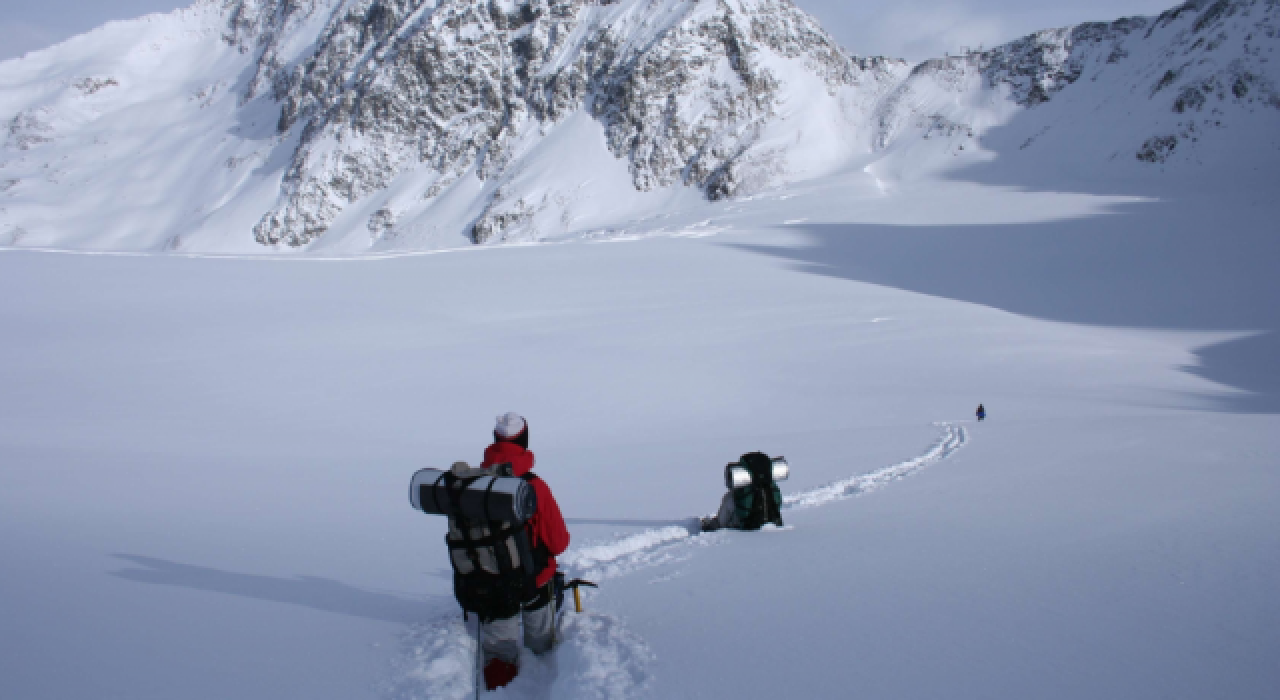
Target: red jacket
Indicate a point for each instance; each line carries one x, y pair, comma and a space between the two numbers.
547, 524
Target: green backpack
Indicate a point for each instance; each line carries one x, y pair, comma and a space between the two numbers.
761, 502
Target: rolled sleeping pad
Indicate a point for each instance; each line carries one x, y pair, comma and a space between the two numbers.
736, 476
487, 498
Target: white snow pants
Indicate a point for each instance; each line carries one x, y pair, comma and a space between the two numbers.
501, 638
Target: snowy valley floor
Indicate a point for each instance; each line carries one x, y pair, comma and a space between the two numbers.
204, 462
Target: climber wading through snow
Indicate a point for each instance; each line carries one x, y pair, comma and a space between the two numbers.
753, 499
500, 637
505, 532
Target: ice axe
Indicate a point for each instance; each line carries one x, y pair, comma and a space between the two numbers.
577, 597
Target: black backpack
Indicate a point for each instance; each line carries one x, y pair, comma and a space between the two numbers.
495, 564
761, 502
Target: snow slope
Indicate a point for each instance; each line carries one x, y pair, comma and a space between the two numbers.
441, 112
203, 478
204, 449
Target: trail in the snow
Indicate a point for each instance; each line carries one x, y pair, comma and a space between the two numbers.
675, 543
639, 551
599, 657
952, 439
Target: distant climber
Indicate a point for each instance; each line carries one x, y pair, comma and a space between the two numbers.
753, 499
981, 413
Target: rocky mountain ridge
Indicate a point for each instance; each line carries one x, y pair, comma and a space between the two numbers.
406, 122
1195, 71
453, 86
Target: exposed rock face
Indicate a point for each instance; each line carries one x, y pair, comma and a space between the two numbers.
1044, 63
1033, 70
392, 85
683, 88
352, 125
30, 128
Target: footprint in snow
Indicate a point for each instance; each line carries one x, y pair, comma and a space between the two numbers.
598, 658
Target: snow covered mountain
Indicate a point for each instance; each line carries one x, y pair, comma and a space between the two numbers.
1135, 91
203, 458
354, 126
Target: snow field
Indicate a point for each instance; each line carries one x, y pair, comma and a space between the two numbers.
599, 657
203, 453
249, 455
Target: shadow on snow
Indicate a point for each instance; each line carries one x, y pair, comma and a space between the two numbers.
308, 591
1177, 265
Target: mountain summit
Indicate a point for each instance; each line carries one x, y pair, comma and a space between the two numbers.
686, 93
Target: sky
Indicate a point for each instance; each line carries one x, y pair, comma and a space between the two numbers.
911, 29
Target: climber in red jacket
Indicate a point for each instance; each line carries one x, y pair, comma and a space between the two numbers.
549, 538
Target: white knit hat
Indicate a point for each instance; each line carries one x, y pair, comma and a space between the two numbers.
509, 425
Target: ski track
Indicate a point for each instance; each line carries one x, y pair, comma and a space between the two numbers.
642, 550
674, 543
953, 438
599, 658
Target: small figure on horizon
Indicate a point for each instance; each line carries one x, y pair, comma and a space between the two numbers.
981, 413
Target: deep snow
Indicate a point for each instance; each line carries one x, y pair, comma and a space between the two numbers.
205, 461
204, 458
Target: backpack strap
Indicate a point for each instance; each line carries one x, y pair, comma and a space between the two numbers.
435, 500
775, 506
754, 502
495, 537
485, 500
464, 525
541, 555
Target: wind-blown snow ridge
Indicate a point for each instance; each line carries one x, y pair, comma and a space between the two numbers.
668, 544
953, 439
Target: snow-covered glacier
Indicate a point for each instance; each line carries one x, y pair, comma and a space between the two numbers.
262, 261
